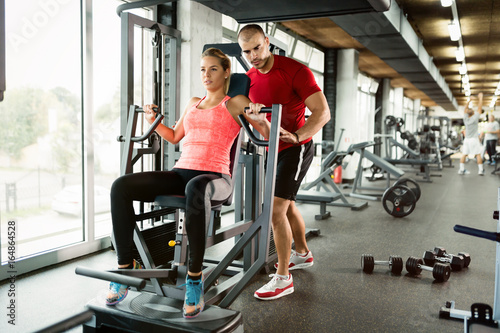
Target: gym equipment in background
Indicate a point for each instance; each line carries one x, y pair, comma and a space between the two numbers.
400, 199
331, 192
481, 317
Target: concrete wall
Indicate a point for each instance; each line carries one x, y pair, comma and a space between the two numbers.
199, 25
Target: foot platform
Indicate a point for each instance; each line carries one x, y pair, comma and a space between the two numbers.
145, 312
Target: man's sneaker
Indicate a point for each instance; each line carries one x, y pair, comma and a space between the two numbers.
298, 261
118, 292
194, 300
481, 172
463, 172
276, 288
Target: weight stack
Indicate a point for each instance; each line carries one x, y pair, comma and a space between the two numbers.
157, 239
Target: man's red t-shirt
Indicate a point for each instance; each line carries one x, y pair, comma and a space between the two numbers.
288, 83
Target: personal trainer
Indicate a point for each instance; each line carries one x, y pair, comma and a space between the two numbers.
208, 126
280, 80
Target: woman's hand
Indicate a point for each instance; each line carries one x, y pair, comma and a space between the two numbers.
253, 112
150, 114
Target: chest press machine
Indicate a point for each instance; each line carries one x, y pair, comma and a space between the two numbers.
159, 306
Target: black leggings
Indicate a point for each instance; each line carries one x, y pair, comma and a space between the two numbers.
201, 188
491, 148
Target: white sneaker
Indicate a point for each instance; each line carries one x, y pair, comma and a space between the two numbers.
481, 172
463, 172
276, 288
298, 261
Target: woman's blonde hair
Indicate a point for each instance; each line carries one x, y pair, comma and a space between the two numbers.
224, 62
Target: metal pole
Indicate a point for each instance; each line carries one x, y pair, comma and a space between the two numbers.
496, 306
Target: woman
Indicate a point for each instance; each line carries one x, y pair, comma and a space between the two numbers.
209, 126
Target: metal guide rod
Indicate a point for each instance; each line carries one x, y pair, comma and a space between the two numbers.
496, 305
69, 323
114, 277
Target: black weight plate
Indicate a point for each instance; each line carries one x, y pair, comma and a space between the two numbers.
367, 263
390, 121
396, 265
413, 265
441, 272
466, 258
399, 201
413, 185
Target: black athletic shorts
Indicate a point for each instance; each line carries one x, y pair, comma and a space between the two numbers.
292, 167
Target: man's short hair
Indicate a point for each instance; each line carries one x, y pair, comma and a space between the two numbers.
248, 31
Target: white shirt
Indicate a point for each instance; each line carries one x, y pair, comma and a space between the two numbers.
490, 127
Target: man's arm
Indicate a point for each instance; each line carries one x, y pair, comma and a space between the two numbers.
320, 115
480, 103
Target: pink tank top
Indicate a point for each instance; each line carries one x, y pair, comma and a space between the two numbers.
209, 135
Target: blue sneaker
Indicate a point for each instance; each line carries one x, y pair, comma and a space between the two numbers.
118, 292
194, 301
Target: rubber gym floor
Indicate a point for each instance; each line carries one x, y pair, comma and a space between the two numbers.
335, 295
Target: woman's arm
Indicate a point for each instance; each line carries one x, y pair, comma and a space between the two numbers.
172, 135
237, 105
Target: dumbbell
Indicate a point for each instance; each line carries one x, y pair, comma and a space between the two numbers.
440, 272
441, 252
395, 263
456, 262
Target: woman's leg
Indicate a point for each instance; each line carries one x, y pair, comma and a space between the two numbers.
144, 187
201, 192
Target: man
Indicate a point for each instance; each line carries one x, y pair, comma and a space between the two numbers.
491, 131
471, 144
281, 80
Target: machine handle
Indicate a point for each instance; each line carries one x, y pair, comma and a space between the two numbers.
108, 276
246, 126
494, 236
151, 129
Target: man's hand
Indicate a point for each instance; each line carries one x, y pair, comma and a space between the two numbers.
289, 137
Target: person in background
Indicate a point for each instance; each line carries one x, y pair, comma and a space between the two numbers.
471, 144
491, 132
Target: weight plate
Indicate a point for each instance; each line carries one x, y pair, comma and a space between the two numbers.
466, 258
413, 185
400, 122
399, 201
441, 272
390, 121
413, 265
367, 263
396, 265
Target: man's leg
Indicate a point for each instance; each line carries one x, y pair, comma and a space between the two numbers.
465, 152
298, 227
282, 233
480, 166
282, 282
